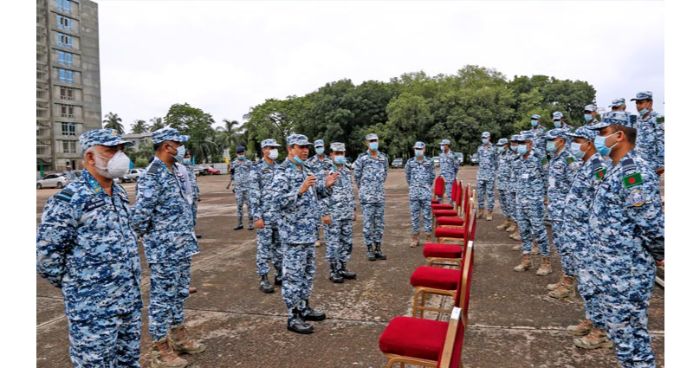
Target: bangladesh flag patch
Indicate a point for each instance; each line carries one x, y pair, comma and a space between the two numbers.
632, 180
570, 160
600, 173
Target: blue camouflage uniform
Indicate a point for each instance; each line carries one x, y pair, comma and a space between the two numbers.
341, 205
86, 247
512, 179
449, 166
240, 177
626, 237
530, 176
650, 136
558, 121
370, 175
577, 206
620, 102
300, 219
420, 175
163, 216
320, 166
503, 177
538, 133
195, 188
263, 207
486, 174
561, 169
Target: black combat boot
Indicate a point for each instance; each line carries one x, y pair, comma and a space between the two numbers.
278, 278
378, 252
265, 285
370, 253
345, 273
297, 324
336, 277
309, 314
240, 224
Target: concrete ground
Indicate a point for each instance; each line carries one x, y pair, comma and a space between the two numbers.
512, 323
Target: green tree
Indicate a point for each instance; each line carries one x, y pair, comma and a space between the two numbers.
197, 124
140, 126
156, 123
113, 121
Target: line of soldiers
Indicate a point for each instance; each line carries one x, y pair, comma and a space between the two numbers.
600, 187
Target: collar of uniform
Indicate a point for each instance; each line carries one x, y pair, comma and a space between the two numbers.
92, 183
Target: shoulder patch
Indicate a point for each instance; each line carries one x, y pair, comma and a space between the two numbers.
599, 172
153, 168
64, 195
543, 161
632, 180
570, 160
635, 198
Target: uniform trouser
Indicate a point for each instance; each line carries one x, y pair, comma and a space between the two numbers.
243, 197
268, 249
372, 222
298, 270
559, 238
448, 188
339, 241
421, 208
531, 223
589, 293
513, 204
484, 190
170, 286
627, 322
194, 212
113, 341
504, 199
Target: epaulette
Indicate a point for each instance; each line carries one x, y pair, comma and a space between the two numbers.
630, 175
153, 167
65, 195
598, 168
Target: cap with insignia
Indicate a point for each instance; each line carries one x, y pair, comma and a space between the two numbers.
371, 136
582, 132
168, 134
338, 147
590, 108
557, 115
445, 142
617, 102
644, 95
269, 143
485, 135
535, 116
612, 118
555, 133
527, 136
102, 137
502, 142
419, 145
298, 139
318, 143
517, 138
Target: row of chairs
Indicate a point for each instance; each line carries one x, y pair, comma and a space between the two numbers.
416, 339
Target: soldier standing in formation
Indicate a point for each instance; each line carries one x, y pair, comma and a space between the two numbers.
371, 169
163, 216
590, 115
86, 247
513, 188
240, 176
449, 166
420, 175
503, 173
321, 165
650, 145
558, 121
266, 216
485, 176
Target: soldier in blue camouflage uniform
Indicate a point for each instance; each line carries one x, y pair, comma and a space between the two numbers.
562, 167
86, 247
187, 161
618, 104
341, 206
512, 179
371, 169
650, 132
537, 132
503, 173
163, 216
321, 165
449, 166
626, 241
530, 203
240, 177
558, 121
266, 216
590, 115
297, 193
486, 176
420, 175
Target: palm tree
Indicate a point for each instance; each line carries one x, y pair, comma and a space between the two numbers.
139, 127
230, 135
113, 121
156, 123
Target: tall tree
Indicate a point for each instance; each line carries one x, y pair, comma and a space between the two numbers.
140, 126
156, 123
197, 124
113, 121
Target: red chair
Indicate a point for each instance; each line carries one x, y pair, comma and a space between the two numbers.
451, 354
447, 254
451, 210
438, 190
457, 220
453, 196
410, 340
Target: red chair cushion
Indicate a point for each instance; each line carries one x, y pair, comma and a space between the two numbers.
435, 277
413, 337
435, 201
449, 232
447, 220
441, 206
443, 213
440, 250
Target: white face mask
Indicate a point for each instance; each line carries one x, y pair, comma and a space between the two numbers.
117, 166
273, 154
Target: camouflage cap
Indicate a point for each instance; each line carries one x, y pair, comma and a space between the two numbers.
338, 147
535, 117
298, 139
555, 133
644, 95
557, 115
527, 136
445, 142
102, 137
591, 108
269, 143
582, 132
518, 138
502, 142
240, 149
168, 134
318, 143
612, 118
485, 135
419, 145
371, 136
617, 102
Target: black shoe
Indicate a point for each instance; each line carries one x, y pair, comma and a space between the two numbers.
336, 277
199, 236
240, 226
370, 253
378, 252
347, 274
298, 325
278, 280
309, 314
265, 285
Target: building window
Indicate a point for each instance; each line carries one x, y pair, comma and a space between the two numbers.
65, 58
63, 6
66, 111
68, 146
65, 75
68, 129
63, 22
64, 40
66, 94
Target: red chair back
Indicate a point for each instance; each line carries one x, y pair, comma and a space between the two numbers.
464, 288
451, 354
439, 187
455, 188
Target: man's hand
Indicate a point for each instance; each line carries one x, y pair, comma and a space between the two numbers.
659, 171
308, 183
332, 177
259, 224
326, 219
660, 263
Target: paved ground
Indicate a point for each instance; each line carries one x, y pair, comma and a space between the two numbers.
512, 323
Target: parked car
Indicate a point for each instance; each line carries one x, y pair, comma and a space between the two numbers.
209, 170
474, 159
52, 181
397, 163
460, 158
132, 175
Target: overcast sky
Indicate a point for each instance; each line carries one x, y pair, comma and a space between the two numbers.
226, 57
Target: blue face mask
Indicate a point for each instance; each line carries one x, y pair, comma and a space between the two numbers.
501, 149
534, 123
576, 150
600, 146
557, 123
514, 148
374, 146
643, 111
419, 153
240, 158
180, 153
587, 117
298, 161
522, 149
340, 160
551, 146
319, 150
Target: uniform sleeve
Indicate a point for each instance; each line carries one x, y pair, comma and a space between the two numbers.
408, 173
432, 171
661, 145
322, 192
55, 237
643, 207
285, 196
358, 171
386, 168
146, 201
255, 193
